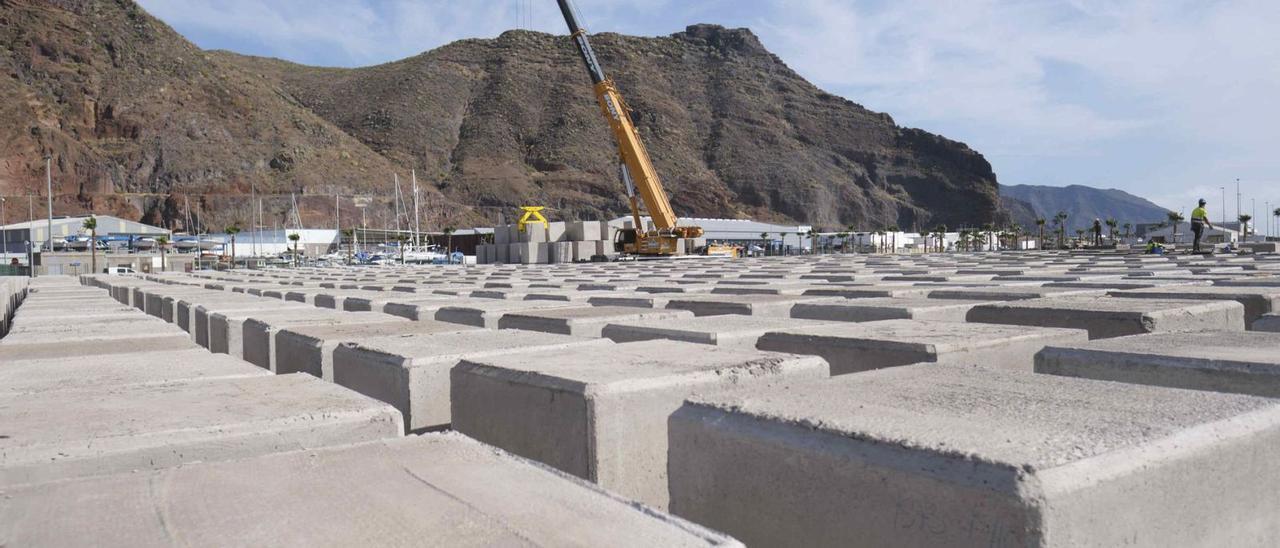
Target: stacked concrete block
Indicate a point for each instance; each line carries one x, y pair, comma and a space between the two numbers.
904, 457
586, 231
556, 231
605, 421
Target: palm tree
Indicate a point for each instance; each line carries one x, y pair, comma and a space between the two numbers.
764, 242
1128, 227
232, 231
347, 234
1060, 221
1276, 214
893, 229
782, 246
91, 224
1040, 224
448, 236
162, 242
941, 231
1244, 224
964, 239
294, 237
988, 229
1112, 224
1174, 218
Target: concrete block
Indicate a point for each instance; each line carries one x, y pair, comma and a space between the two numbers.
1112, 317
534, 233
441, 489
1223, 361
1269, 323
81, 346
411, 372
586, 231
1257, 301
556, 231
604, 420
227, 330
586, 321
732, 331
501, 235
876, 309
1014, 293
259, 333
158, 367
488, 313
110, 429
772, 306
856, 347
309, 348
503, 254
961, 456
583, 250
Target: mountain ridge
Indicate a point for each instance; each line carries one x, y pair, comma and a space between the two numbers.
141, 120
1082, 204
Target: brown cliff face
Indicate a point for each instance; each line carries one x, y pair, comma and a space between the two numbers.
138, 117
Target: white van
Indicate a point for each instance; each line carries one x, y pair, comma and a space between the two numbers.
118, 270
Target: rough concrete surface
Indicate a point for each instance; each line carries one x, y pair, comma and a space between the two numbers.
107, 429
855, 347
1113, 317
411, 371
440, 490
966, 456
1224, 361
602, 415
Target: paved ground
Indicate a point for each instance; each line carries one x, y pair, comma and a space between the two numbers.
911, 400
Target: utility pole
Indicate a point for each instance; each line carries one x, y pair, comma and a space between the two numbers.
337, 220
4, 229
253, 199
48, 182
31, 224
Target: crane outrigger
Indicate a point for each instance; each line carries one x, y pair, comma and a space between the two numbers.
636, 169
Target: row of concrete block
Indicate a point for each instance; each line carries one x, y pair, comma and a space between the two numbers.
936, 454
559, 231
12, 291
134, 414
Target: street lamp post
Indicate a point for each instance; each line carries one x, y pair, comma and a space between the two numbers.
4, 230
1224, 207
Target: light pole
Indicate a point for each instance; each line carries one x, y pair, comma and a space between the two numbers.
48, 182
1224, 207
1238, 199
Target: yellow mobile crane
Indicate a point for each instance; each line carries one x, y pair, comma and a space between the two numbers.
636, 169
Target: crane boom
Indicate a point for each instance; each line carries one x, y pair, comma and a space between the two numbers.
637, 168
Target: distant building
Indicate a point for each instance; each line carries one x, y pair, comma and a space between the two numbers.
14, 237
740, 231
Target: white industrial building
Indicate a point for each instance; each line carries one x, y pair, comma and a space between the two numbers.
270, 243
14, 237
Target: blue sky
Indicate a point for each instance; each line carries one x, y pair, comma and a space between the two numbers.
1167, 99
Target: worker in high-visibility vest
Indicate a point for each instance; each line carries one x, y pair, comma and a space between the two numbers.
1199, 220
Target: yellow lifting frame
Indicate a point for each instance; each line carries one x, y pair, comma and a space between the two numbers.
533, 213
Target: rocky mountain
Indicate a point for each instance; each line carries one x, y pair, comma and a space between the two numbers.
143, 123
1082, 204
